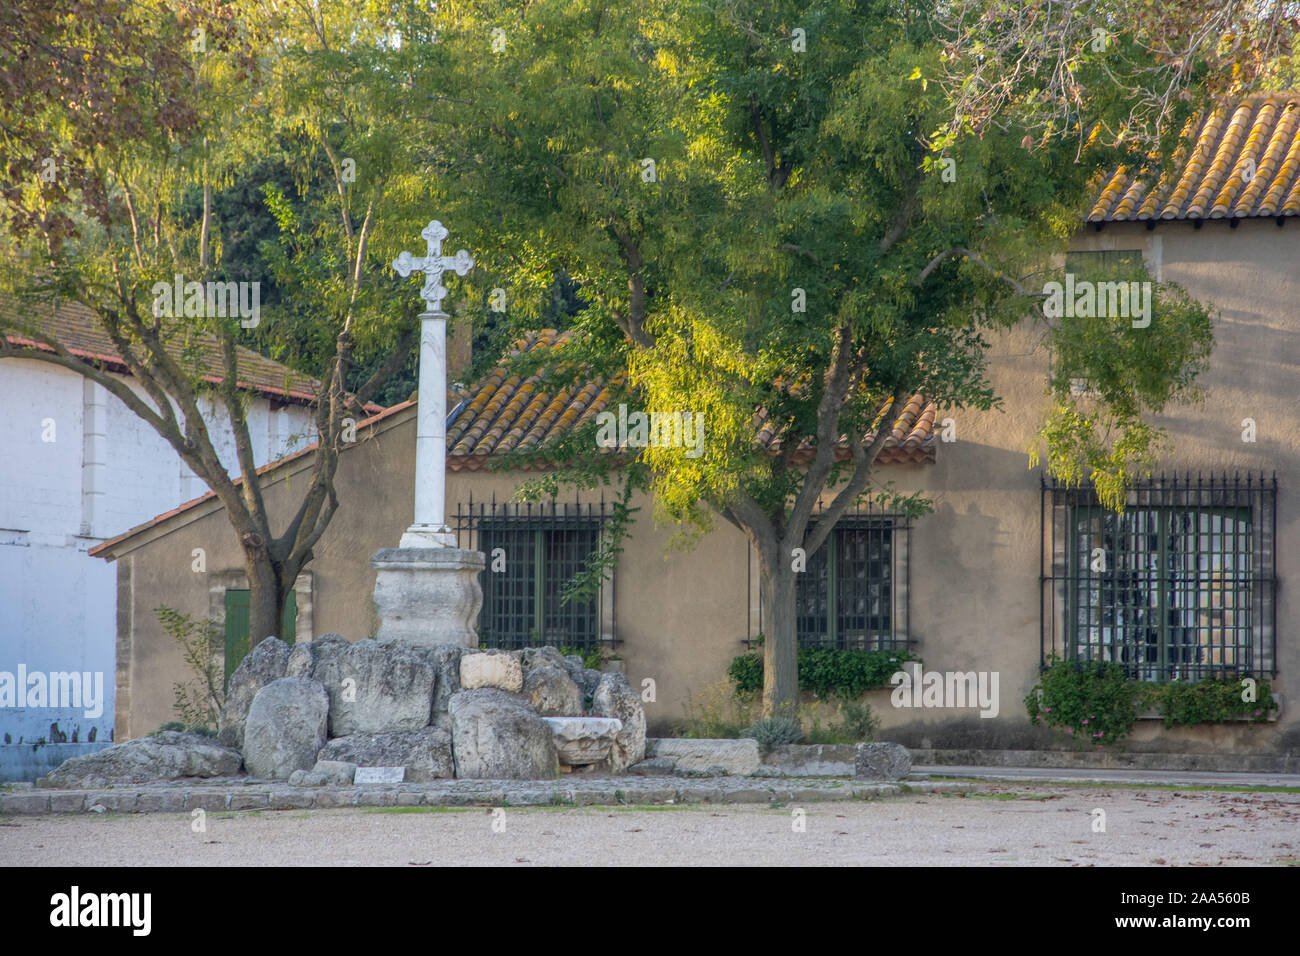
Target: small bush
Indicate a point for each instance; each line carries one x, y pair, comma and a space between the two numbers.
1212, 701
1093, 701
716, 712
858, 723
591, 659
775, 732
746, 673
825, 671
202, 730
200, 699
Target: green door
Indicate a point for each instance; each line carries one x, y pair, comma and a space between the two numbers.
237, 626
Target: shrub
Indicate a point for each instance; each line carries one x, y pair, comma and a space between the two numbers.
1098, 702
746, 673
858, 723
1212, 701
716, 712
825, 671
199, 700
1091, 701
775, 731
591, 659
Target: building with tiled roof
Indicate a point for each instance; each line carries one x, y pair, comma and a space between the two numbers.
79, 331
1195, 580
1240, 160
80, 467
507, 412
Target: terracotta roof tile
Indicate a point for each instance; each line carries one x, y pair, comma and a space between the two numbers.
78, 329
505, 412
1240, 160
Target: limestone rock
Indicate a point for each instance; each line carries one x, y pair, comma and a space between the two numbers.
425, 753
534, 657
285, 728
447, 662
170, 755
552, 692
307, 778
376, 688
584, 678
613, 697
737, 757
654, 767
491, 669
264, 663
881, 761
335, 771
302, 658
495, 736
580, 741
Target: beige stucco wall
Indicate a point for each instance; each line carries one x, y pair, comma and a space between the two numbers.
974, 562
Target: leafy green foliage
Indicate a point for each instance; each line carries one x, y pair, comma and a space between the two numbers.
716, 713
1211, 701
1093, 702
592, 658
825, 671
774, 732
1096, 702
858, 722
198, 701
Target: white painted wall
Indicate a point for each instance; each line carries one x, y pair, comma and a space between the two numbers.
104, 471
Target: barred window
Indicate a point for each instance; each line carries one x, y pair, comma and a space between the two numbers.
1180, 586
532, 553
852, 593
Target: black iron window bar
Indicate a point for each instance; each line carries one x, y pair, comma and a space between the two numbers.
533, 550
1180, 586
855, 590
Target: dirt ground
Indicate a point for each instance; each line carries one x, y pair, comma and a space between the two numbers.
998, 825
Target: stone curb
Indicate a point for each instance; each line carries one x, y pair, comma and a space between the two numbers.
514, 793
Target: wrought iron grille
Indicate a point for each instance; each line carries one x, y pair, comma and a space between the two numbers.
855, 591
1180, 586
533, 551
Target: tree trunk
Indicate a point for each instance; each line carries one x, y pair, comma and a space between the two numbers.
776, 582
265, 600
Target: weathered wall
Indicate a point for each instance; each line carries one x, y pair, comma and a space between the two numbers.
79, 467
974, 562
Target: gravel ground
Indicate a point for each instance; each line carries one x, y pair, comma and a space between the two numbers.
996, 825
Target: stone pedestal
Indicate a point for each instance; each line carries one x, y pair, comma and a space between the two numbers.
428, 596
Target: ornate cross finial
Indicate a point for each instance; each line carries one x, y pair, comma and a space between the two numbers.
433, 265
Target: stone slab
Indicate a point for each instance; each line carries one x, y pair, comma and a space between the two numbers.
379, 775
736, 757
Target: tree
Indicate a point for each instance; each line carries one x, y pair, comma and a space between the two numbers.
148, 108
775, 219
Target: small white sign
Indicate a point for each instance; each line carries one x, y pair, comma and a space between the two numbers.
380, 775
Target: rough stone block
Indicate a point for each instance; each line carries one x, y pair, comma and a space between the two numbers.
257, 800
285, 728
736, 757
502, 671
882, 761
496, 737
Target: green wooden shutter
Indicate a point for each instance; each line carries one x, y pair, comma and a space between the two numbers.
238, 626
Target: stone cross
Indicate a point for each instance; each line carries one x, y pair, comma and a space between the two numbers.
430, 528
433, 265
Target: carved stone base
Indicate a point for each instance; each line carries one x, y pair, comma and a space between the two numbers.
428, 596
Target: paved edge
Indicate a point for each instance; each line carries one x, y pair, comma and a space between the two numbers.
1059, 775
183, 798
